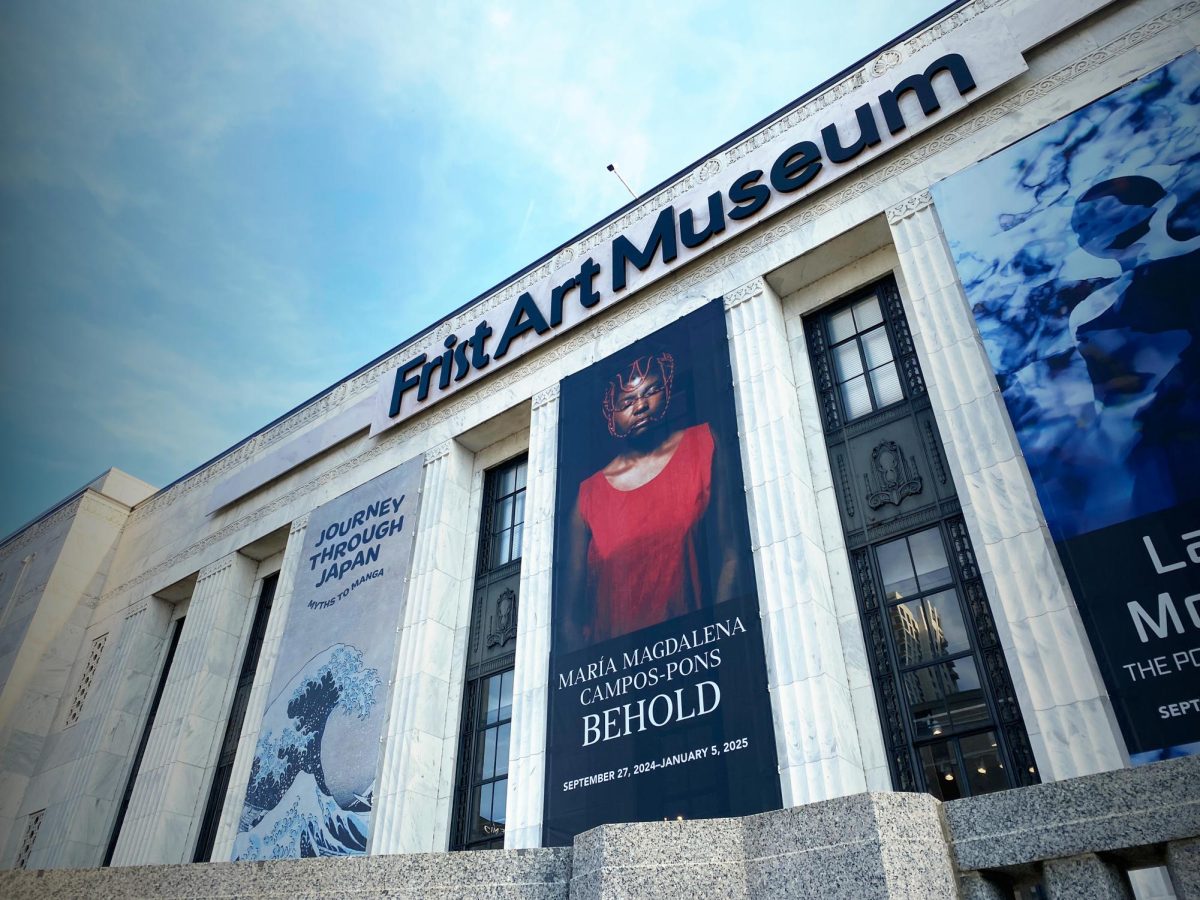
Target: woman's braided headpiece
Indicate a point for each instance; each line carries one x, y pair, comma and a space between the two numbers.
639, 370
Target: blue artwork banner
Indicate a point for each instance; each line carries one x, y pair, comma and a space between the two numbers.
312, 783
1079, 251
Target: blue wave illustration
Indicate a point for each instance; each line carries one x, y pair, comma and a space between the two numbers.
290, 811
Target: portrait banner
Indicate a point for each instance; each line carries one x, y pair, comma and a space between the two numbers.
312, 783
1079, 251
658, 701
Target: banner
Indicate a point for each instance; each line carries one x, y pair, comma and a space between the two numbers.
658, 704
313, 780
1079, 250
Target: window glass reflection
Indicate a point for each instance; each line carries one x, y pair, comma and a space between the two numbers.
928, 628
981, 759
487, 755
503, 516
899, 580
942, 772
504, 706
929, 557
491, 708
944, 695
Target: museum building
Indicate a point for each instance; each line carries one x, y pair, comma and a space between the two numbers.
853, 464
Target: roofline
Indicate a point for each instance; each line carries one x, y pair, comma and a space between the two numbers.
633, 204
12, 536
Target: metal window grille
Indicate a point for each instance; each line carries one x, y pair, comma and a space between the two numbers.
85, 680
32, 827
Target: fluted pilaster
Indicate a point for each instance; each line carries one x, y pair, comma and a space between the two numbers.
816, 732
76, 831
412, 799
168, 799
257, 704
1066, 707
527, 750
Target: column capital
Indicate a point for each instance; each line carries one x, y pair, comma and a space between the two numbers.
913, 204
549, 395
441, 451
216, 567
747, 291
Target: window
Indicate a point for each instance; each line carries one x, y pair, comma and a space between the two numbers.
489, 712
233, 726
864, 364
481, 786
949, 713
949, 717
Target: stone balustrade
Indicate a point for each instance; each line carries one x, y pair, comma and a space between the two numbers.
1076, 838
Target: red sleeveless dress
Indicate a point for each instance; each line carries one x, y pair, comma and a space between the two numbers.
642, 564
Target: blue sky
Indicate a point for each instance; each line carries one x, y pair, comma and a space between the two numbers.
211, 211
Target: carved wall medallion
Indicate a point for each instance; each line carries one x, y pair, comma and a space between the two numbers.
506, 620
895, 476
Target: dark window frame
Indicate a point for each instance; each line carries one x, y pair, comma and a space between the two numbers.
863, 540
950, 734
492, 567
856, 338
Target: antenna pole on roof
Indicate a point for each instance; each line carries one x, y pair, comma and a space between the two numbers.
612, 168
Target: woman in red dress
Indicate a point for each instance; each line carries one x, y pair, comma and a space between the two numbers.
645, 527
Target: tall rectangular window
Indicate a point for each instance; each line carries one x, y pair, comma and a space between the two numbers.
481, 785
949, 712
233, 726
863, 361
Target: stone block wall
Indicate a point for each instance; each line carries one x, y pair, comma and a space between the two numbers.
1078, 839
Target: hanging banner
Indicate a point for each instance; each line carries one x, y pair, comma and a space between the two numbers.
658, 702
1079, 250
312, 784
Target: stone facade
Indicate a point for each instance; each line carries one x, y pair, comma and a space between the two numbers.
107, 574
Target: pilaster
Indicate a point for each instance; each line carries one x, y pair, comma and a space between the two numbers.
1067, 711
164, 812
817, 736
412, 800
77, 830
527, 750
257, 704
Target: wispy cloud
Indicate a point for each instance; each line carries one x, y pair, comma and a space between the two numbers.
210, 211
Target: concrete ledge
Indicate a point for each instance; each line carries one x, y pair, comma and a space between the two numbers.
541, 874
1120, 811
869, 845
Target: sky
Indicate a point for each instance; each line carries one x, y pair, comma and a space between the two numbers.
210, 212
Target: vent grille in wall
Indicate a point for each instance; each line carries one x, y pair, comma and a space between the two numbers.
31, 833
85, 680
